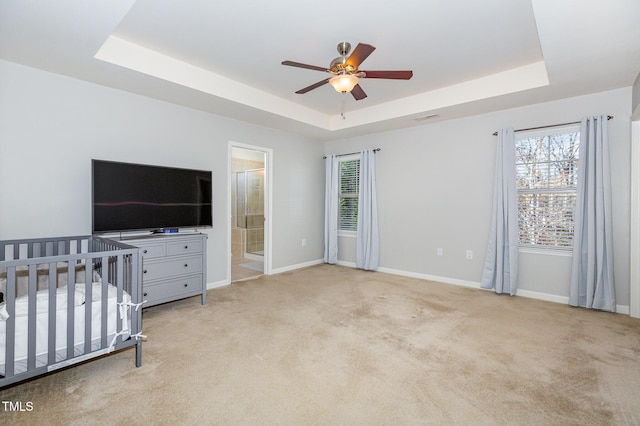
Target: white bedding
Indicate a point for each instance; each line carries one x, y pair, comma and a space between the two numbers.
42, 274
42, 326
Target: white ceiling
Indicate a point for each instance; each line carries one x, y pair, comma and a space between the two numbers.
467, 56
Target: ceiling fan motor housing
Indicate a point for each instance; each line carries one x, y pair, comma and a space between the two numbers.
339, 64
344, 48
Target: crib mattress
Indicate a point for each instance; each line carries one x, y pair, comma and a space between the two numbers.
42, 324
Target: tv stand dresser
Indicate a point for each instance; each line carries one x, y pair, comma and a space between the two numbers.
174, 266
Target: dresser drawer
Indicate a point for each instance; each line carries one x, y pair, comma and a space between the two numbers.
172, 289
168, 267
150, 251
173, 266
184, 247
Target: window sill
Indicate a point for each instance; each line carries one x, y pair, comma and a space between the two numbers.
351, 234
549, 252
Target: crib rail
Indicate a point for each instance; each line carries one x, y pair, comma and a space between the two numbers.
33, 272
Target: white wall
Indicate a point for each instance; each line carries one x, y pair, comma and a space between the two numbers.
52, 126
435, 186
434, 180
635, 99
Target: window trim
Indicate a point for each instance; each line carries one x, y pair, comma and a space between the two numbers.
350, 234
342, 159
549, 251
539, 249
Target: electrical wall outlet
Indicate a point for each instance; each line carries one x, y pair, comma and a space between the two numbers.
469, 254
439, 251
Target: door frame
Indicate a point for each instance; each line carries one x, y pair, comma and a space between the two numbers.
634, 250
268, 202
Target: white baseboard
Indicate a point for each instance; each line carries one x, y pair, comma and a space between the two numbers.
543, 296
623, 309
218, 284
296, 266
620, 309
454, 281
226, 282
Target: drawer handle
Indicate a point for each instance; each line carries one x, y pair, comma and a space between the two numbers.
186, 285
185, 265
145, 295
144, 272
145, 251
186, 247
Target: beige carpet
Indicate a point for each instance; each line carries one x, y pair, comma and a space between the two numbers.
333, 345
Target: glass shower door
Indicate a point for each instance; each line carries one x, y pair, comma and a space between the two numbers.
255, 211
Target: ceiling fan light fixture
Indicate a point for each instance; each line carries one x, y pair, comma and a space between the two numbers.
345, 74
343, 83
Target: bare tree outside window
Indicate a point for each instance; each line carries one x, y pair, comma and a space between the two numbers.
546, 176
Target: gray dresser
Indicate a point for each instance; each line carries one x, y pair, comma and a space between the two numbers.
173, 267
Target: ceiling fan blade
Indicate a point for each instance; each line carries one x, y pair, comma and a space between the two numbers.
394, 75
361, 52
358, 93
300, 65
313, 86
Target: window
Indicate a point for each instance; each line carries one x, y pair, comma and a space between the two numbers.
349, 185
546, 175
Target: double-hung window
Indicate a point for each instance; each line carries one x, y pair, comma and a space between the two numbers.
546, 179
349, 184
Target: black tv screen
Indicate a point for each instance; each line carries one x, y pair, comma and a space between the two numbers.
128, 197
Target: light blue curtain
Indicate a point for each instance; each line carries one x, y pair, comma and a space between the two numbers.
501, 263
367, 241
332, 172
592, 270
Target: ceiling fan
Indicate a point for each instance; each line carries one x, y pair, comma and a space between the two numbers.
345, 71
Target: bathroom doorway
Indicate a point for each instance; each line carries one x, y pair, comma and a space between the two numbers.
249, 204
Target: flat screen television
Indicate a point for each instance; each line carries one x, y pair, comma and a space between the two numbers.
134, 197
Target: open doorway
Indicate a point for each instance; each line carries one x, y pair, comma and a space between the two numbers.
249, 207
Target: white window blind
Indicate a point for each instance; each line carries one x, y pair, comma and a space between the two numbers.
349, 186
547, 176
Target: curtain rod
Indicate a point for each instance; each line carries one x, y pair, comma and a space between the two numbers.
609, 117
351, 153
